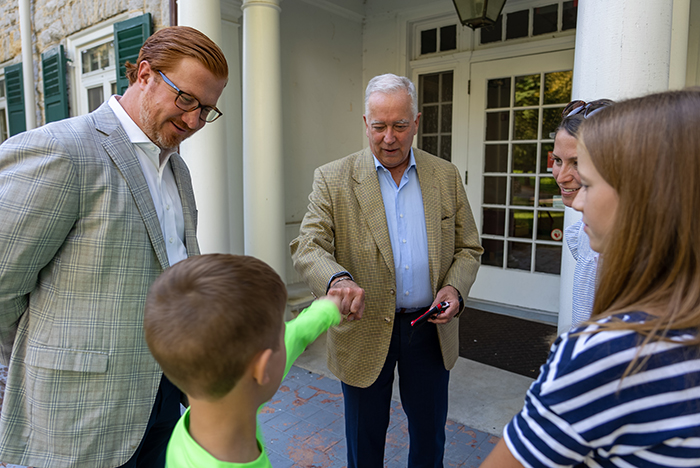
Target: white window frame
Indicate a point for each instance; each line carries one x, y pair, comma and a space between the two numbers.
75, 45
3, 105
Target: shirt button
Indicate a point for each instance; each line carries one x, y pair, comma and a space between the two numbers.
406, 267
387, 319
404, 241
392, 292
406, 293
401, 215
167, 207
170, 240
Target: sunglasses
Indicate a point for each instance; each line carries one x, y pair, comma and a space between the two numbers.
584, 108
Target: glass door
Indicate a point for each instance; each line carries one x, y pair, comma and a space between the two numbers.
515, 106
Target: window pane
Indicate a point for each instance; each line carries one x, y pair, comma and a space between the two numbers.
447, 79
493, 252
494, 221
430, 87
97, 58
546, 158
95, 98
446, 119
548, 259
544, 20
524, 158
551, 118
497, 126
492, 33
3, 126
527, 90
550, 225
517, 24
429, 119
446, 147
525, 127
498, 93
521, 223
496, 158
569, 12
448, 37
519, 256
2, 89
495, 190
430, 144
522, 191
428, 41
549, 190
557, 87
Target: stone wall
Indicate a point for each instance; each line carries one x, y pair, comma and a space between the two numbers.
55, 20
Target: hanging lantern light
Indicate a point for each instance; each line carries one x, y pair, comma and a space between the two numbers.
478, 13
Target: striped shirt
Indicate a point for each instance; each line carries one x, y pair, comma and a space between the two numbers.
584, 272
579, 414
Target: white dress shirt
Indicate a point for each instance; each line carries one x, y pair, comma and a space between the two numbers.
161, 184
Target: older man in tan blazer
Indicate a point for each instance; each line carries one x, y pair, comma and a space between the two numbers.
392, 226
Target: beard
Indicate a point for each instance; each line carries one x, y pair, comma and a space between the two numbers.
152, 127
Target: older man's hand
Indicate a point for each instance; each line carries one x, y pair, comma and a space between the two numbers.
352, 298
451, 295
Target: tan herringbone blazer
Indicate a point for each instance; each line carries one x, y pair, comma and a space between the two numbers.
345, 229
80, 246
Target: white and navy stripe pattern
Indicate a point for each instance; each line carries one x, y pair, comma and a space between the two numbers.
579, 414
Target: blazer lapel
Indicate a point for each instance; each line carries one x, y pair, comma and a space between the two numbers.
121, 151
431, 205
369, 197
189, 210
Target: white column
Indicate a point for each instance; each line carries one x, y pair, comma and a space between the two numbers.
205, 151
679, 44
263, 180
25, 26
623, 50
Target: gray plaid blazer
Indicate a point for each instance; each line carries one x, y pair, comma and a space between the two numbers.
345, 229
80, 244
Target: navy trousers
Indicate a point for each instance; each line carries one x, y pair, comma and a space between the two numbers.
423, 386
164, 416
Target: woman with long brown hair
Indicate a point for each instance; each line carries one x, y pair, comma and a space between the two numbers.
623, 389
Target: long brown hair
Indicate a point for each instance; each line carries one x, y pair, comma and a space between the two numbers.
648, 150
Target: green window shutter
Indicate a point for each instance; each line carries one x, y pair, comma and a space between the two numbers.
129, 36
53, 64
15, 99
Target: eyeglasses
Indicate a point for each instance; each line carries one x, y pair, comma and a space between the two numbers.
586, 109
189, 103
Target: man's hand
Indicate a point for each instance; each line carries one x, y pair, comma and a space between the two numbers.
451, 295
352, 298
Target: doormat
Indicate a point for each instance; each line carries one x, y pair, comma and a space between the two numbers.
508, 343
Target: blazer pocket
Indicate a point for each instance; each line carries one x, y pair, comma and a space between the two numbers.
67, 359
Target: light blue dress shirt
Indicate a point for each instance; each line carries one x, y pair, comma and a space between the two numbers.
405, 218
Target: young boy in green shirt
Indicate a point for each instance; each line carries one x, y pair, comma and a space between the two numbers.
215, 325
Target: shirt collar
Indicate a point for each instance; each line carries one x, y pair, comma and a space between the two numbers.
411, 162
135, 134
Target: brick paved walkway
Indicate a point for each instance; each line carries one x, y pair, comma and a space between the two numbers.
304, 428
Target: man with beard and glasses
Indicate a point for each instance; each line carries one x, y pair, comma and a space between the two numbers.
93, 209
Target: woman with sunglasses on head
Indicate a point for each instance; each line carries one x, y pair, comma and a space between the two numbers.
623, 390
565, 173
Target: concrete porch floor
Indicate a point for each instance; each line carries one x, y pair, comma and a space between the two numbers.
482, 397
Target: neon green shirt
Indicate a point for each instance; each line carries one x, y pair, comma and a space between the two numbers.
184, 452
